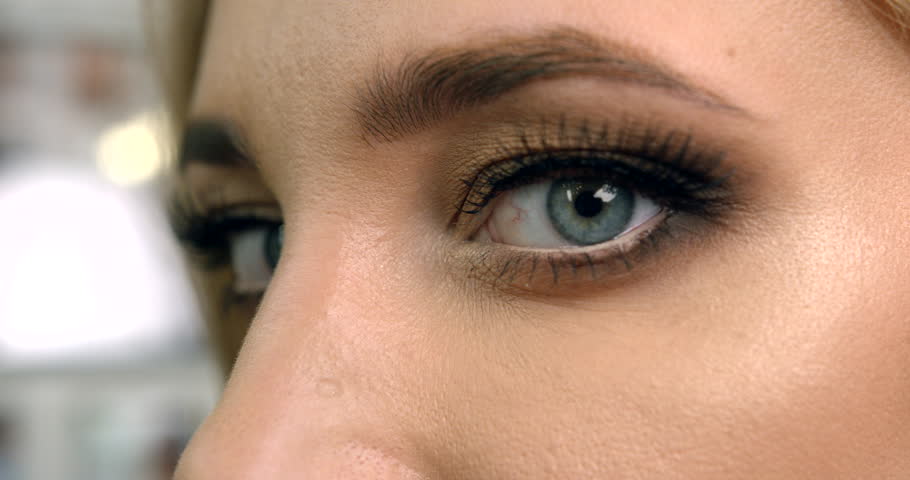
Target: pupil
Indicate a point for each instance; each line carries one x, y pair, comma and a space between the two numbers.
587, 205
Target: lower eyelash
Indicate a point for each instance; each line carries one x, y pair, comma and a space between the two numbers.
509, 268
669, 168
206, 235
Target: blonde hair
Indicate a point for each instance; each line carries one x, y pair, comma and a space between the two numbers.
174, 32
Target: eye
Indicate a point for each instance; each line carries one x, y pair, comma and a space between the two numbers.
593, 201
254, 254
566, 213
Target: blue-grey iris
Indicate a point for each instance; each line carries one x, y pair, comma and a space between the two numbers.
588, 212
274, 241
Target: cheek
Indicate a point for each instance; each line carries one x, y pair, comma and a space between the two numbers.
791, 364
707, 406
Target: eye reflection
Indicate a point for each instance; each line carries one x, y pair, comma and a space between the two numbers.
589, 212
566, 213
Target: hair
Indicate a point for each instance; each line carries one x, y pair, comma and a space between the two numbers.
900, 12
175, 32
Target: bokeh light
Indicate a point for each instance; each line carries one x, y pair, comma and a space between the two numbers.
79, 274
129, 153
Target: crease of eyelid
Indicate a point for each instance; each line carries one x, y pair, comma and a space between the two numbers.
424, 90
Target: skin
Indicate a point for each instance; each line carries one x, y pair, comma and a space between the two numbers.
774, 345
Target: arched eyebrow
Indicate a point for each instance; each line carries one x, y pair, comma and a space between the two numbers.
212, 142
424, 90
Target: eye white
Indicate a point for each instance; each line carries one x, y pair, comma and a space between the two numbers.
520, 217
252, 272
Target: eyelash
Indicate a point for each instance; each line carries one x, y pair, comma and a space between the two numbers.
667, 166
207, 234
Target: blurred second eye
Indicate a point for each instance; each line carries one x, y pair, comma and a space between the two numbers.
254, 255
566, 213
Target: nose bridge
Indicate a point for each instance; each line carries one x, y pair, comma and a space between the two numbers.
310, 396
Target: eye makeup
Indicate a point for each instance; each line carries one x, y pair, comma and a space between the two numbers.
207, 235
668, 166
685, 177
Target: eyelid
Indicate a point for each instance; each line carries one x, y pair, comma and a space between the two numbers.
206, 234
685, 177
562, 273
666, 165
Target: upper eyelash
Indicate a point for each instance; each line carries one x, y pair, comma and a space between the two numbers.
668, 166
206, 234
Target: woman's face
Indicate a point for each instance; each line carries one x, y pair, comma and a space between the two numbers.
553, 239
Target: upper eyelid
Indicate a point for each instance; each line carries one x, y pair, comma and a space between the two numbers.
576, 137
203, 233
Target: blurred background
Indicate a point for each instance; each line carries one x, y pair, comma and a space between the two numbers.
104, 369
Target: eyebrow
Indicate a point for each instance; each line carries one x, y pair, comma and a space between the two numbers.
425, 90
212, 142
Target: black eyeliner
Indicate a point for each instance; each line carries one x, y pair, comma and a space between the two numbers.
206, 235
668, 167
687, 178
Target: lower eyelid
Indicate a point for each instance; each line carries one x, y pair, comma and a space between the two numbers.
625, 242
551, 270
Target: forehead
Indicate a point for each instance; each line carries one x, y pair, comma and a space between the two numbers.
321, 49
